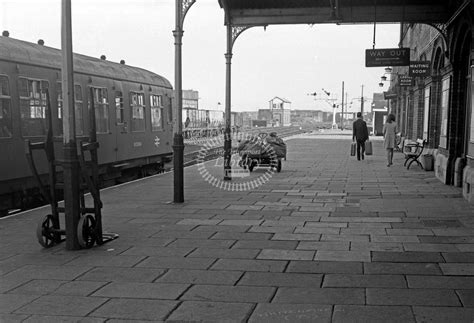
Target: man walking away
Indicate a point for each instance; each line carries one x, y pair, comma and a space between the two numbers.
360, 134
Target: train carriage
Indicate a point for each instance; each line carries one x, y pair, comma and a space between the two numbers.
133, 113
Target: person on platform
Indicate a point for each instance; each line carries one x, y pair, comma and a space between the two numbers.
360, 134
389, 137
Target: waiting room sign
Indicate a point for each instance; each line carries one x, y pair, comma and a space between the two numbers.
387, 57
419, 69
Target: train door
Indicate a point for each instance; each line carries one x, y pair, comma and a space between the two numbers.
103, 127
119, 121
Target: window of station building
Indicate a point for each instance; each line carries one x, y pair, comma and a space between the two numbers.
445, 85
101, 107
137, 105
156, 106
119, 108
426, 112
33, 106
79, 119
5, 108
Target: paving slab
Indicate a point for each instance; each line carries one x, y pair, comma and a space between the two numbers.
134, 309
238, 294
250, 265
408, 256
443, 314
276, 254
403, 296
466, 296
62, 305
461, 269
437, 282
386, 268
458, 257
110, 274
281, 279
374, 314
329, 255
176, 262
203, 277
57, 318
304, 313
195, 311
319, 295
141, 290
347, 280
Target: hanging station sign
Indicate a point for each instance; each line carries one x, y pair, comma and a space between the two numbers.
419, 68
406, 80
387, 57
389, 95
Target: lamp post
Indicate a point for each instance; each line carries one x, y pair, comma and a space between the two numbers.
232, 33
71, 161
178, 142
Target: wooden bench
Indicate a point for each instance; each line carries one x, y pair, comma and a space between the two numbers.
416, 149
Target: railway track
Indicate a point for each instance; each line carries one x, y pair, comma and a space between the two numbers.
192, 156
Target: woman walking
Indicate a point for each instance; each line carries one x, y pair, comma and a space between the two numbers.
389, 135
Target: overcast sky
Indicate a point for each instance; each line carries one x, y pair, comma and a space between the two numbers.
287, 61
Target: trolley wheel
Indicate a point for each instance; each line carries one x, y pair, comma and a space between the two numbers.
44, 232
251, 164
86, 233
279, 165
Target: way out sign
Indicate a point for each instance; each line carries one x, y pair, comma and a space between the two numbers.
387, 57
419, 69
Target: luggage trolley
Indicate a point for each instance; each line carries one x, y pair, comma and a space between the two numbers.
263, 151
89, 229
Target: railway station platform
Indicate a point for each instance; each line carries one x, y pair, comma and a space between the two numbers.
328, 239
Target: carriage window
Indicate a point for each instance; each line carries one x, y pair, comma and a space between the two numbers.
101, 107
119, 107
78, 104
156, 105
78, 109
137, 105
170, 111
5, 110
33, 106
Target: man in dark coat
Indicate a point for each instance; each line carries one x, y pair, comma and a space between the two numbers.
360, 134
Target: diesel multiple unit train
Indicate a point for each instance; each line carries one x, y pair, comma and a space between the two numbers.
133, 115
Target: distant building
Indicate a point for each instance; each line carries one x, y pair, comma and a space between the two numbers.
247, 117
190, 99
309, 116
280, 112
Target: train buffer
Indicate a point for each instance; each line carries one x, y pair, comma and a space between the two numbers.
89, 228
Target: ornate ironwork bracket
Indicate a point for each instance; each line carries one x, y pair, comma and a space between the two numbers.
185, 5
237, 30
443, 31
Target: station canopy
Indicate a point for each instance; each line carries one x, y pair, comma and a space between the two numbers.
268, 12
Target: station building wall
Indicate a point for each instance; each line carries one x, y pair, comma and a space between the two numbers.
438, 107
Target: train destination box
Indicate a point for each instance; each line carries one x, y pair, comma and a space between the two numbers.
387, 57
419, 68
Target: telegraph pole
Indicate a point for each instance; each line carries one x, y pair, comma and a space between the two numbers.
342, 107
